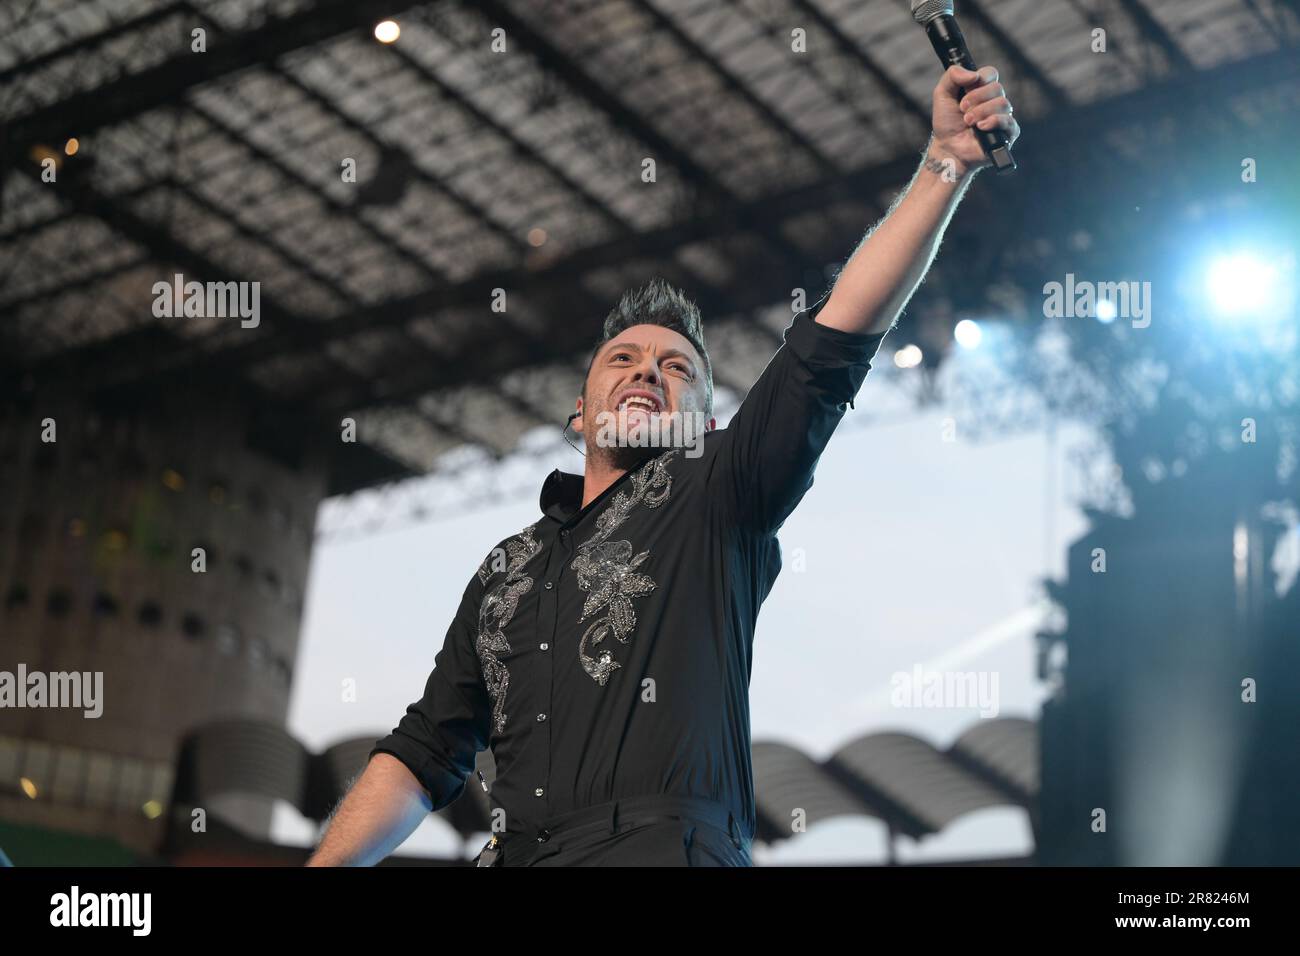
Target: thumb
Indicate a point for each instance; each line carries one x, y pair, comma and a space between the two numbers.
956, 79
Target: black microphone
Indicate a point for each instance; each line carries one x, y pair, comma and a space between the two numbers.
945, 36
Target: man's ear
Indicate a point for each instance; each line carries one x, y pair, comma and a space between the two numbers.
576, 422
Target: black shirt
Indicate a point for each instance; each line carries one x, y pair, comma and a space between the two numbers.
605, 652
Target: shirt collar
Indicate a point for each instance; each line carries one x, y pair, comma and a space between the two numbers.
561, 495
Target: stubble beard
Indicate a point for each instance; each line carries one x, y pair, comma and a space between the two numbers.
616, 457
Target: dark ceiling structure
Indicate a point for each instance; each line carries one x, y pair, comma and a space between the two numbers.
503, 145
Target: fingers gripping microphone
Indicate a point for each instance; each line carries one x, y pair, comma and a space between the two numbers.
945, 36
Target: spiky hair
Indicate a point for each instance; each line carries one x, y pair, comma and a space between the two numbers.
659, 303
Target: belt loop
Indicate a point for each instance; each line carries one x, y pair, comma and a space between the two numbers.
734, 828
613, 816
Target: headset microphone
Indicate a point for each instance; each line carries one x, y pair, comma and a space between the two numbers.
567, 422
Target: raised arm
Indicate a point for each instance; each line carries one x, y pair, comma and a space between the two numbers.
767, 454
892, 259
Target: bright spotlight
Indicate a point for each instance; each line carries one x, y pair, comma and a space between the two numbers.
387, 31
968, 334
1106, 311
909, 356
1242, 283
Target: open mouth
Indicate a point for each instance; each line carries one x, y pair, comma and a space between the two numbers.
644, 401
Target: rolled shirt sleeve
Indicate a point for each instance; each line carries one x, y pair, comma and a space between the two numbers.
440, 734
771, 446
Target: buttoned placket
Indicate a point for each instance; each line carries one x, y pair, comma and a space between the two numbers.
557, 560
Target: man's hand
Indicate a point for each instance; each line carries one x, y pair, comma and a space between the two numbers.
964, 101
883, 272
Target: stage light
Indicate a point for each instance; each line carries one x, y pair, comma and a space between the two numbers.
387, 31
909, 356
536, 237
39, 153
29, 788
1106, 311
1242, 284
71, 146
968, 334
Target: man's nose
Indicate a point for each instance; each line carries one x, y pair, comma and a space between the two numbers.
648, 371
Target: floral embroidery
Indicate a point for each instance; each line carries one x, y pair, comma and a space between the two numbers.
496, 611
607, 569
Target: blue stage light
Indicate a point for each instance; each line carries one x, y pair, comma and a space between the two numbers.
968, 334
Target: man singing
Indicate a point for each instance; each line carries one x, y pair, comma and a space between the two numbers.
603, 653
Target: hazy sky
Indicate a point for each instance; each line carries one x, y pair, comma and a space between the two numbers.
917, 551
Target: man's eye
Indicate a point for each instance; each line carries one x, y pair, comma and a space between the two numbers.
679, 366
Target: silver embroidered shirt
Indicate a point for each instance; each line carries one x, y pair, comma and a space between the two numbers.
604, 652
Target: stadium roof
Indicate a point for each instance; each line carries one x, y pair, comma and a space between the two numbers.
914, 787
481, 168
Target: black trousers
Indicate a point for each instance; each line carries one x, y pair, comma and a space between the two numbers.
654, 830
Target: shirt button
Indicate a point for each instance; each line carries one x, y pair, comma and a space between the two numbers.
549, 585
564, 536
545, 647
543, 836
540, 718
538, 792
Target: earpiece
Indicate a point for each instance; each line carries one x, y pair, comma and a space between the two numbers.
567, 422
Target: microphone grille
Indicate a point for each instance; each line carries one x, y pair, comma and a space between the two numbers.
923, 11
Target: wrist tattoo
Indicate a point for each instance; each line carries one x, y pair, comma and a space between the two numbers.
945, 169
